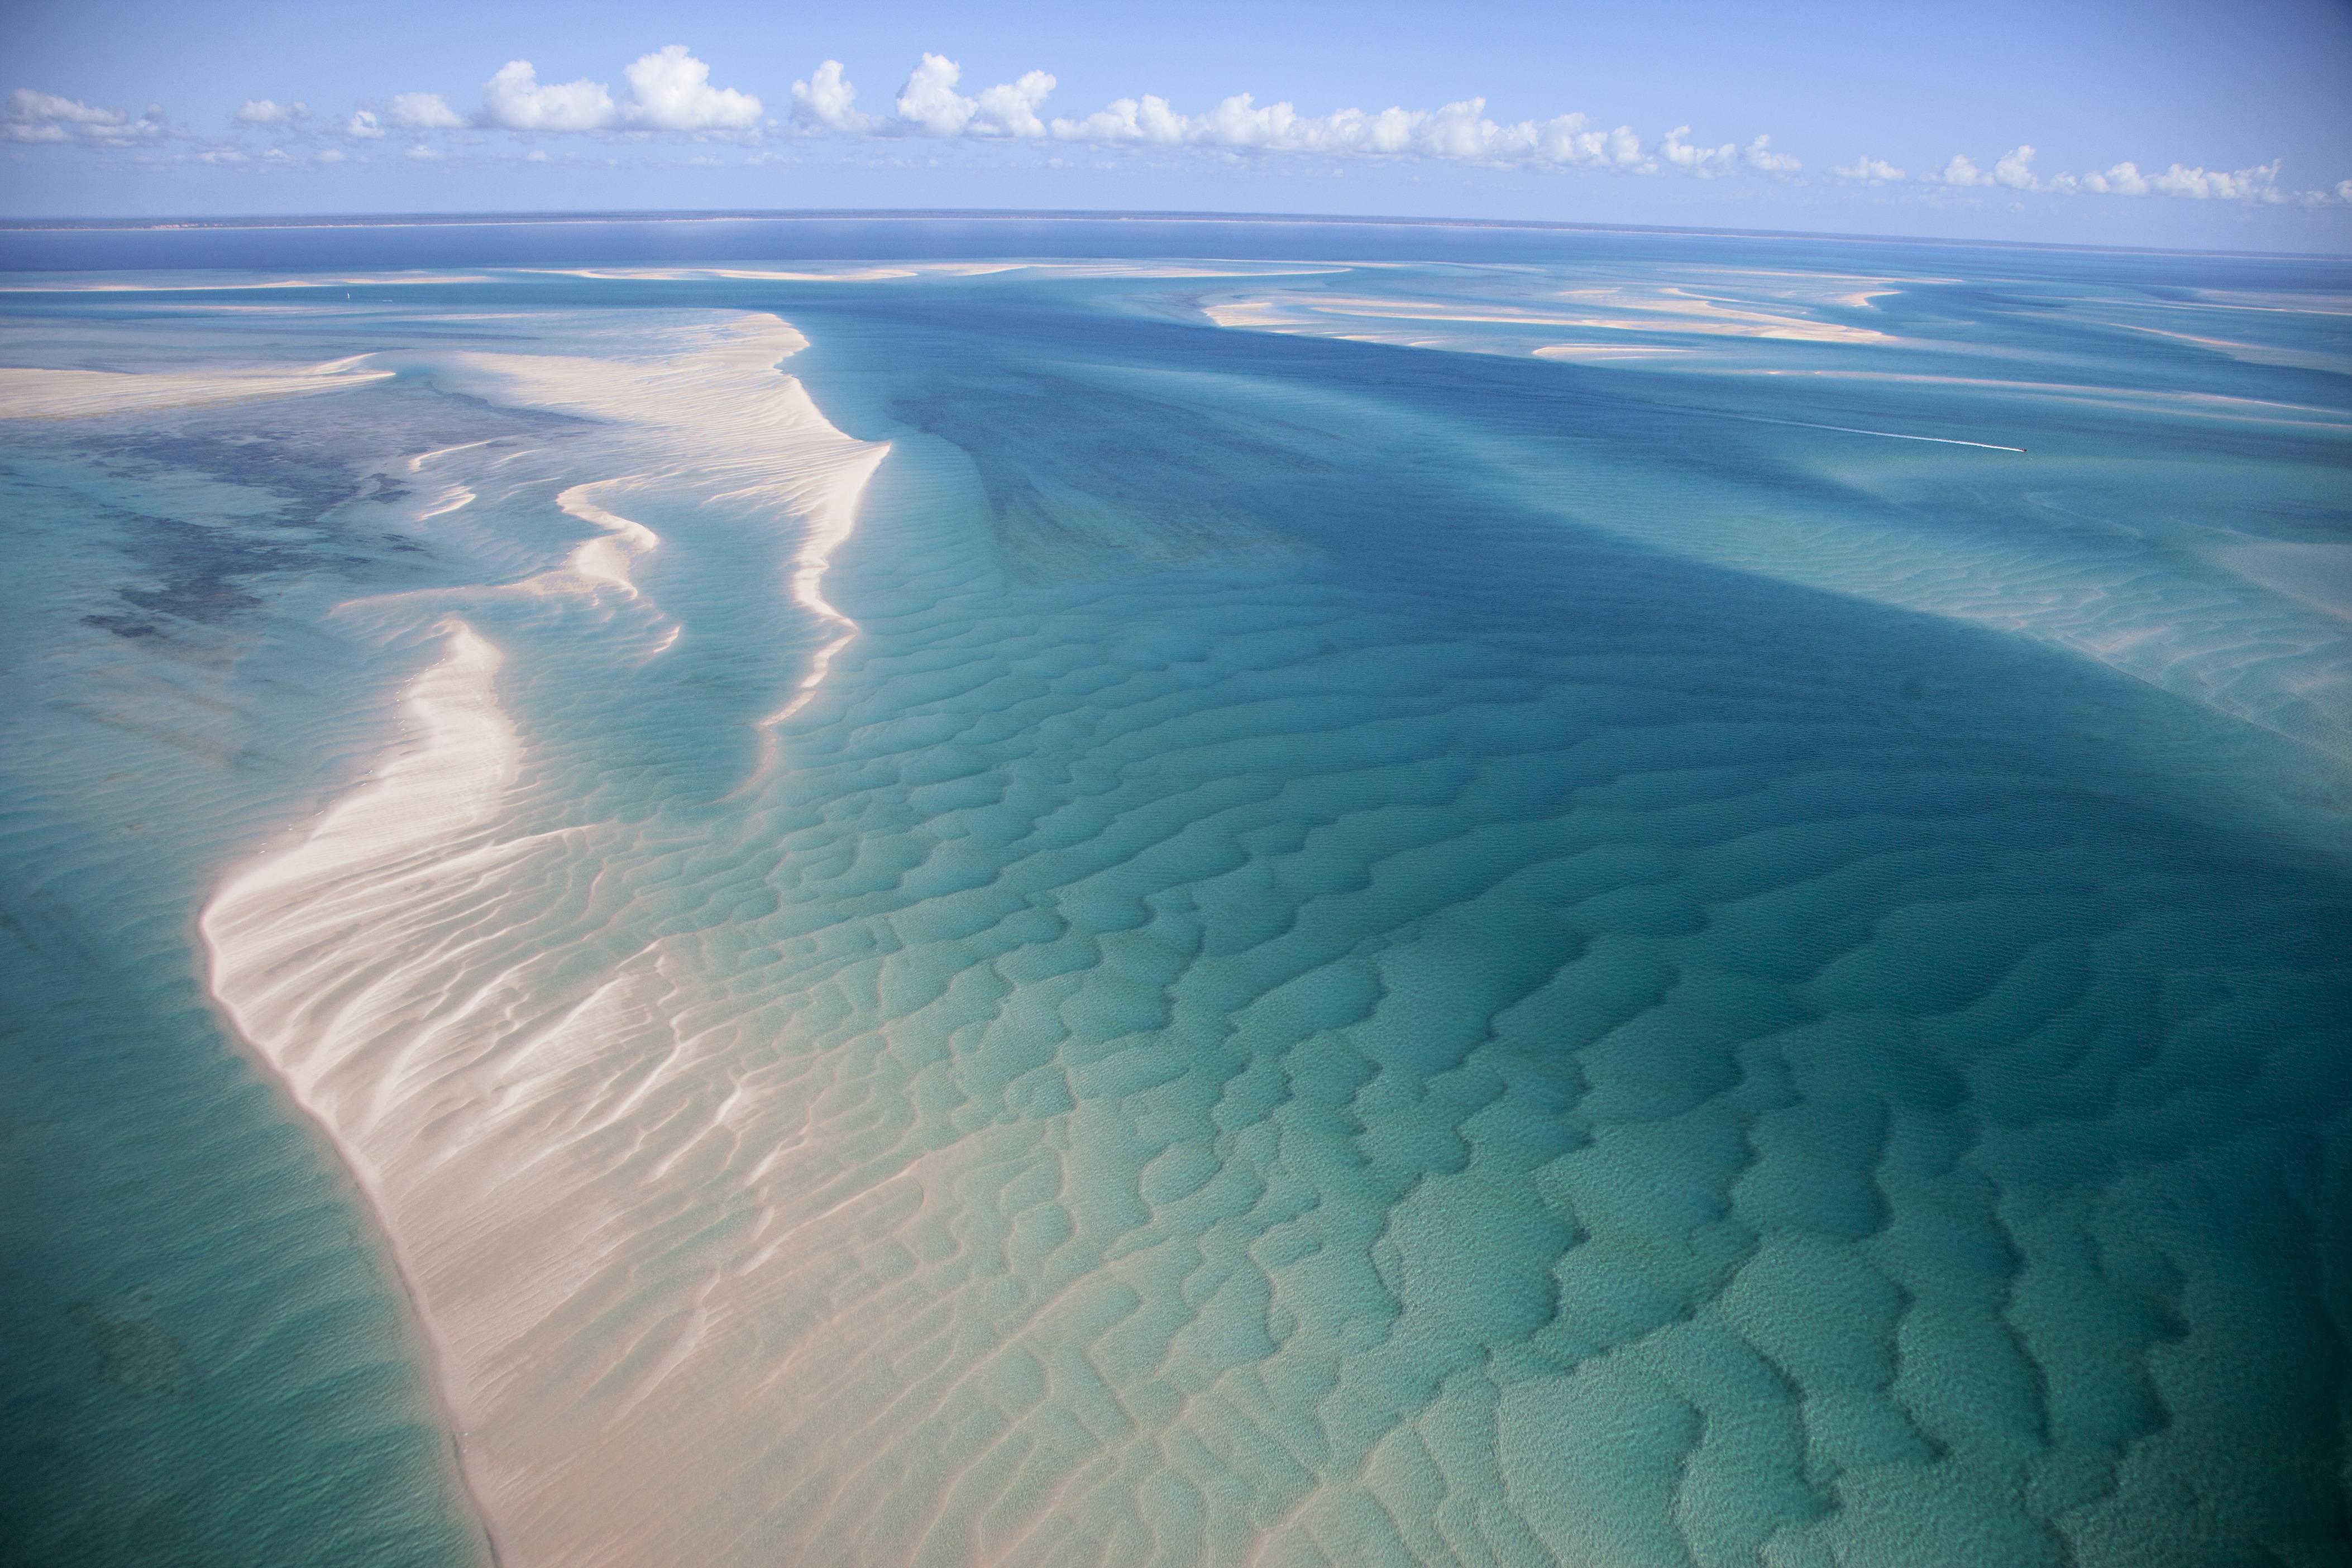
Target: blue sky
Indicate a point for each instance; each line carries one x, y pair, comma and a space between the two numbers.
2156, 124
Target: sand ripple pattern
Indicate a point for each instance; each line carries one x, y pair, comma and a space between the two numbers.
1203, 1068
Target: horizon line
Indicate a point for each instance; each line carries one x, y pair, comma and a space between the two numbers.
1068, 215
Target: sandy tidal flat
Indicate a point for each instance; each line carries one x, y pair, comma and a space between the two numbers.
995, 926
34, 394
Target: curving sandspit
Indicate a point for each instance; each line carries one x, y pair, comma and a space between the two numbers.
1211, 1067
338, 957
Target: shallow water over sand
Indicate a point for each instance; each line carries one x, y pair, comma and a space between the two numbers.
1048, 931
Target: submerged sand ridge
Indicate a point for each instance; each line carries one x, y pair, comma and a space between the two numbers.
2149, 601
1220, 1067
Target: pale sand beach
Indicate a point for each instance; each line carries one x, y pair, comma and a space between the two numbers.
426, 809
605, 561
1662, 308
480, 1106
34, 393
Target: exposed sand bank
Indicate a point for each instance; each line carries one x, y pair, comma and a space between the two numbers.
1662, 308
29, 394
605, 561
488, 1088
777, 451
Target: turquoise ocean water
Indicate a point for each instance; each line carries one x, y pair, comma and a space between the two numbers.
1409, 894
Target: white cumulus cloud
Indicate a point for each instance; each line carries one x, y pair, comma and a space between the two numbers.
1961, 170
1874, 170
1146, 120
826, 101
932, 103
1459, 131
1704, 161
424, 112
267, 111
35, 116
1760, 156
1010, 108
670, 90
2259, 184
514, 100
2123, 180
2014, 169
929, 103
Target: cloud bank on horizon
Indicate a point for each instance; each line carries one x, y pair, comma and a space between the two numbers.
667, 93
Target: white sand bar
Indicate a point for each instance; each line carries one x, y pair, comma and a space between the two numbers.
522, 1103
34, 393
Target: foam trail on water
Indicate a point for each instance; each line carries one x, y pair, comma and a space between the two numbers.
1858, 430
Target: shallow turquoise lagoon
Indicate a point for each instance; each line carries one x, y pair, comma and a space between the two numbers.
1286, 895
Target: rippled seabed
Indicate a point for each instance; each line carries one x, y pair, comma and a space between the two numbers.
1183, 913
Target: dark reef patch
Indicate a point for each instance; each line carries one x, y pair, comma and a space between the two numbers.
314, 472
132, 1352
